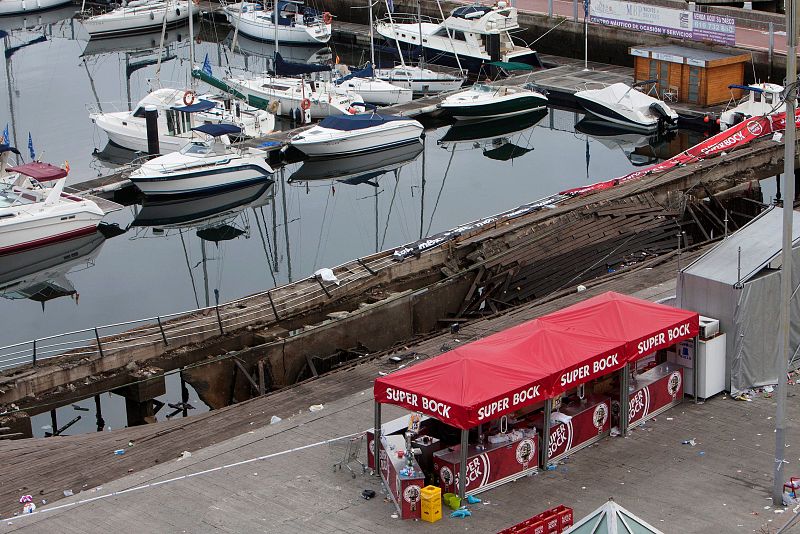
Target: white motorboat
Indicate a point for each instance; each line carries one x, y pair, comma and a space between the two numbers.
761, 99
179, 112
476, 34
284, 95
625, 105
32, 215
137, 16
355, 134
421, 80
373, 90
16, 7
296, 23
484, 101
203, 166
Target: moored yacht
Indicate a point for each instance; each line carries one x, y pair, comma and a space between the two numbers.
33, 215
625, 105
202, 166
488, 101
372, 89
137, 16
421, 80
296, 22
354, 134
761, 99
476, 34
178, 112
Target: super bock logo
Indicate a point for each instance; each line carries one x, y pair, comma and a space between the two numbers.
755, 128
674, 383
526, 451
600, 416
411, 494
446, 475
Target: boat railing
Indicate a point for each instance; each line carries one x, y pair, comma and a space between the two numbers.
407, 18
503, 24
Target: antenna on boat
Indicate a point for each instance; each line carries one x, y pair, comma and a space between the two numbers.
396, 40
161, 44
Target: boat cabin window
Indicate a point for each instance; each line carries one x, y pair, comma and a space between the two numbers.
196, 148
275, 87
139, 113
756, 96
454, 34
768, 98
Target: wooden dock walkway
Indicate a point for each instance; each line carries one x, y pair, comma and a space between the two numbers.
45, 467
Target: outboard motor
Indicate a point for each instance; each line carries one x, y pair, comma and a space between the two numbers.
663, 117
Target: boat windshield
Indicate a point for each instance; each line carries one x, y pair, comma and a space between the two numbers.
196, 148
10, 196
483, 88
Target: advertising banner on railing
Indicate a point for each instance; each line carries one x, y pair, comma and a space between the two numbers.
676, 23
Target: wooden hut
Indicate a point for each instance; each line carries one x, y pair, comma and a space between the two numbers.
691, 75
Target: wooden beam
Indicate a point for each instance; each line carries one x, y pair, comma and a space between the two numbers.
246, 374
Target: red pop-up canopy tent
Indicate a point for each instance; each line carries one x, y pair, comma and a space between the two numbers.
499, 374
644, 326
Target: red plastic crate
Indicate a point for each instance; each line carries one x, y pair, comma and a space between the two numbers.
564, 514
553, 521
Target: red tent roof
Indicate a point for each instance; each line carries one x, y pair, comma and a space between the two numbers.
39, 171
535, 360
501, 373
645, 326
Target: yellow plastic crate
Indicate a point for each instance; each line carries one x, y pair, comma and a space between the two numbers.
431, 503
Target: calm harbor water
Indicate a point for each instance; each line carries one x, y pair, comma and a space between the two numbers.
316, 215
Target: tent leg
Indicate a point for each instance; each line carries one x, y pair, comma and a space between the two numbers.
695, 381
462, 468
548, 408
376, 445
624, 404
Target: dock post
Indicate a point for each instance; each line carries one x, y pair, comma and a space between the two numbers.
216, 307
151, 120
161, 327
53, 422
101, 423
99, 346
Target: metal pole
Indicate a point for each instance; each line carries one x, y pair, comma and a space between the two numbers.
624, 399
695, 367
161, 327
191, 35
575, 10
771, 45
462, 468
216, 307
99, 346
785, 353
679, 252
376, 445
34, 353
550, 9
548, 408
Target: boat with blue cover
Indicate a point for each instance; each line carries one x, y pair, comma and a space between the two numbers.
355, 134
202, 166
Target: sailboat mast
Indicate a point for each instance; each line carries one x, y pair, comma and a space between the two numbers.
449, 37
396, 41
191, 36
371, 39
419, 23
275, 12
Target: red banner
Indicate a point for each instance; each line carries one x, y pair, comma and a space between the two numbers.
735, 137
653, 397
495, 464
584, 426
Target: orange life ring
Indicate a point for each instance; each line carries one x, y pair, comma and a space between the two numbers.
305, 104
196, 2
188, 98
327, 18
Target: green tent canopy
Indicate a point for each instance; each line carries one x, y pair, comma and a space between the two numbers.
511, 65
612, 518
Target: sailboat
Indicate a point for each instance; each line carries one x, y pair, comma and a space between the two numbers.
284, 94
16, 7
296, 22
421, 79
137, 16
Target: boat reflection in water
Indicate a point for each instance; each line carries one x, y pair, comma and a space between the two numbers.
214, 217
501, 139
357, 169
638, 147
40, 274
290, 52
131, 44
